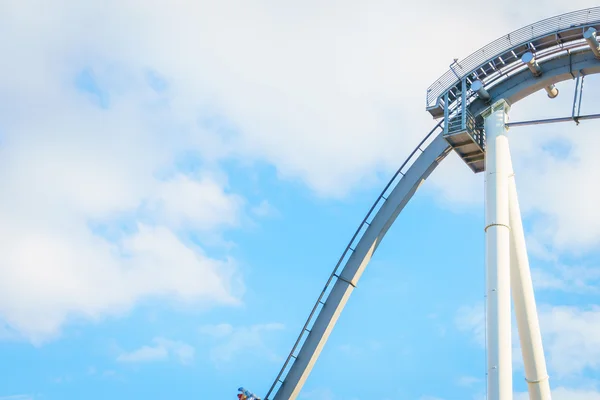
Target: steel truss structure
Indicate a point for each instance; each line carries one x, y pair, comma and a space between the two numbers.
473, 100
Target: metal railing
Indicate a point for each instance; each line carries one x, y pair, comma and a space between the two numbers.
351, 246
504, 44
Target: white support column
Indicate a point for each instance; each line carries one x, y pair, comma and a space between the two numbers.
530, 336
499, 347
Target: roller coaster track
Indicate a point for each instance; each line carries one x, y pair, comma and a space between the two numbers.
562, 48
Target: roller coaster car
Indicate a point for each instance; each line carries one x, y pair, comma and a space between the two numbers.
246, 395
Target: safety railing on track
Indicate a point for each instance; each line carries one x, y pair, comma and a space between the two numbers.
351, 245
504, 44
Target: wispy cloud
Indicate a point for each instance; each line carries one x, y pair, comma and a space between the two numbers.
317, 394
567, 278
118, 126
468, 381
360, 350
74, 270
99, 149
265, 209
564, 393
162, 350
230, 341
571, 336
471, 319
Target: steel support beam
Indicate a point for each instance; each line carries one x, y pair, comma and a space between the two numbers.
590, 37
478, 87
523, 83
553, 120
523, 296
497, 232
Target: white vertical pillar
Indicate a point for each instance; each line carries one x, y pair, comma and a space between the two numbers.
530, 335
499, 348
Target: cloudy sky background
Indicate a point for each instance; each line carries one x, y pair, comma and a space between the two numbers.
179, 177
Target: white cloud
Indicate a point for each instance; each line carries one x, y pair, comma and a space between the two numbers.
85, 166
360, 350
468, 381
323, 92
55, 273
201, 204
558, 393
554, 169
471, 319
546, 280
571, 279
219, 331
162, 349
328, 82
563, 393
317, 394
571, 339
265, 209
144, 354
230, 341
454, 186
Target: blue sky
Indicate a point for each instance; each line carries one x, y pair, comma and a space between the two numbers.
179, 179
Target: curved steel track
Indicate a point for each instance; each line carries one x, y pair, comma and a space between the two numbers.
562, 54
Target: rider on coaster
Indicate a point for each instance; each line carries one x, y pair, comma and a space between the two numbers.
246, 395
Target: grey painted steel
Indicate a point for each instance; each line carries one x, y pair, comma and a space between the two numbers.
519, 86
478, 88
348, 249
489, 62
523, 83
591, 39
425, 163
513, 85
553, 120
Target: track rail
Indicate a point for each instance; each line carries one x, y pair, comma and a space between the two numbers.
558, 47
493, 61
381, 199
